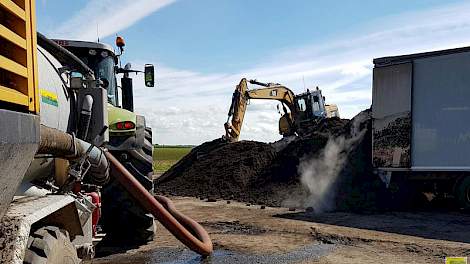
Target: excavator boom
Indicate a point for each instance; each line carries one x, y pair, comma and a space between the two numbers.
240, 98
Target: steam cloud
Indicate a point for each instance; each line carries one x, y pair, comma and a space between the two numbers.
318, 175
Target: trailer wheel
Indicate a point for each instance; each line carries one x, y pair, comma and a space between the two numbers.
124, 220
405, 196
50, 245
463, 193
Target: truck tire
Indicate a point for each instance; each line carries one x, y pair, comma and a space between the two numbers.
50, 245
124, 220
463, 193
406, 196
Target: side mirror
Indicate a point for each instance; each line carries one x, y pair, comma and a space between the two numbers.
76, 79
76, 83
149, 75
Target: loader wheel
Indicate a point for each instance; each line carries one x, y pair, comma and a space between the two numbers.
50, 245
463, 193
124, 220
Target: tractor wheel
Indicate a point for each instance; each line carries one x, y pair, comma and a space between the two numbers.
50, 245
139, 162
123, 218
463, 193
148, 145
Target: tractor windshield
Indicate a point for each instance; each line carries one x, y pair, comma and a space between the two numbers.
103, 67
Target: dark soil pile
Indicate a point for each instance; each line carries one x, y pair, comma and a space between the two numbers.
218, 170
261, 173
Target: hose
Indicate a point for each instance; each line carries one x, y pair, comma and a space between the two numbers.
166, 214
186, 221
64, 56
61, 144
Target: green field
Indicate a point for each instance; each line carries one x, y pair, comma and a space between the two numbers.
165, 156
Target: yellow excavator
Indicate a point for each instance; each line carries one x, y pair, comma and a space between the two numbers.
299, 111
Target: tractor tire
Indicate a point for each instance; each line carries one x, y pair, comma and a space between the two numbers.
50, 245
123, 219
463, 193
148, 145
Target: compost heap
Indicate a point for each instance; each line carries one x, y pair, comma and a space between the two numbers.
327, 168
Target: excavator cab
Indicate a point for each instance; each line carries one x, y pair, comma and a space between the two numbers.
310, 108
311, 104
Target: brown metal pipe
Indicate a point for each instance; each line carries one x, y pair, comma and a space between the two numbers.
59, 143
171, 219
64, 145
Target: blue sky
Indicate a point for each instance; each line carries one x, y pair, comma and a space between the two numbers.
202, 48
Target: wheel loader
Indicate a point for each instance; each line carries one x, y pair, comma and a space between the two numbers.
299, 111
73, 155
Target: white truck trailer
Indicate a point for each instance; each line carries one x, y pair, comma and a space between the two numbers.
421, 122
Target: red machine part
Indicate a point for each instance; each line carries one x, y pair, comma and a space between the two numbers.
196, 238
77, 187
96, 200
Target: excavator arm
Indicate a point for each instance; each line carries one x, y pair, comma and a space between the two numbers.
236, 112
240, 98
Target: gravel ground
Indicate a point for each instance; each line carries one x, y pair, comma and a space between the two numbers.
249, 234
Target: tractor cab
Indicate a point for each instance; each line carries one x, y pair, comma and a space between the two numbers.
101, 59
104, 62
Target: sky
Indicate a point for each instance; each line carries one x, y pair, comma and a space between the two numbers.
202, 48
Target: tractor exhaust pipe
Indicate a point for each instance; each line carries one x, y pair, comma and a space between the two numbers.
85, 117
166, 214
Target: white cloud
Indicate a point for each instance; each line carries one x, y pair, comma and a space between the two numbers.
106, 17
188, 107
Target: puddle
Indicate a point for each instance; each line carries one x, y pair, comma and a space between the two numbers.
168, 256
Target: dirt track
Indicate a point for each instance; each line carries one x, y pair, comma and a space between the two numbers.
248, 234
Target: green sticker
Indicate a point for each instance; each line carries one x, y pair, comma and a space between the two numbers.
49, 98
456, 260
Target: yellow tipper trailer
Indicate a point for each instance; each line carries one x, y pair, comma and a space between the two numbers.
18, 65
19, 98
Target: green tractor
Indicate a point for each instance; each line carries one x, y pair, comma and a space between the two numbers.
130, 139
